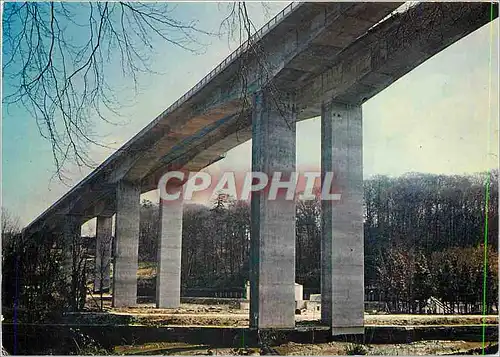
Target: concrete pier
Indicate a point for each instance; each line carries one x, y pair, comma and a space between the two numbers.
104, 237
318, 51
127, 245
272, 247
168, 278
342, 255
71, 237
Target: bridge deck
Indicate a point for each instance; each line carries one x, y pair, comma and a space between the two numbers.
316, 50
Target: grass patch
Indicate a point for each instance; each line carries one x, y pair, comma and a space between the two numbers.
355, 349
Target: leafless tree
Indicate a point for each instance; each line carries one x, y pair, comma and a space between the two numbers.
242, 29
10, 227
79, 274
58, 58
102, 266
10, 222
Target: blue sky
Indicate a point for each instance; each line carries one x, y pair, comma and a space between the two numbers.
436, 119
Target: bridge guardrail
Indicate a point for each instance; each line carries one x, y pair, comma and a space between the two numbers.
220, 67
229, 59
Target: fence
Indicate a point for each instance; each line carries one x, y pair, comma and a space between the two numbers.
230, 292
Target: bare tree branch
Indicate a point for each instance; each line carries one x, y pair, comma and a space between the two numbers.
57, 60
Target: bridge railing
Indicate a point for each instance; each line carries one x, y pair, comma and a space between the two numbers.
242, 48
223, 65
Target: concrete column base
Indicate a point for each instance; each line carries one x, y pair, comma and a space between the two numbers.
272, 247
168, 276
342, 249
360, 330
127, 245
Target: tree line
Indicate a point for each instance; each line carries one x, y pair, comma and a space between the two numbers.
426, 236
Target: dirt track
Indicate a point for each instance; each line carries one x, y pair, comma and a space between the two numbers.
224, 315
319, 349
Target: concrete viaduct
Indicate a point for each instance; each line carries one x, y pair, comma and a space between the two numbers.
316, 59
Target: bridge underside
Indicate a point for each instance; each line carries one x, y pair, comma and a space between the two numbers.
321, 59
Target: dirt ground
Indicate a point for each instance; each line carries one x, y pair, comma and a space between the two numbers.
320, 349
225, 315
229, 315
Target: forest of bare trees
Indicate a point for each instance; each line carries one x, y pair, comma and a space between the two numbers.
426, 236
